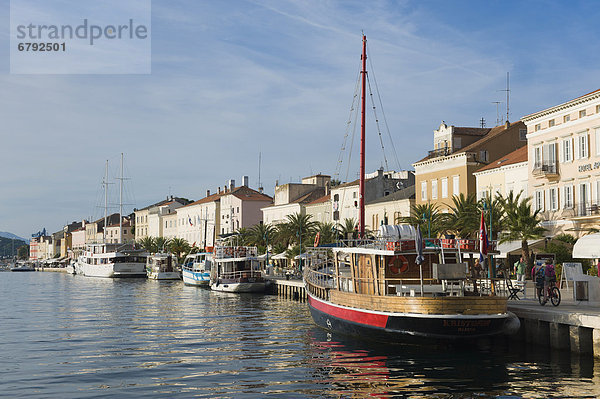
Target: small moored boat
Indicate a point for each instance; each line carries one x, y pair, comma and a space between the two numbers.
236, 269
196, 268
162, 267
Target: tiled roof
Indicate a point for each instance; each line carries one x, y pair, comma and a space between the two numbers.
405, 193
471, 131
205, 200
496, 131
182, 201
321, 200
517, 156
247, 194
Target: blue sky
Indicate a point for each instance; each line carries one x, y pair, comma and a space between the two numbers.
231, 79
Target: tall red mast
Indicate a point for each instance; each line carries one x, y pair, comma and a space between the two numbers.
361, 187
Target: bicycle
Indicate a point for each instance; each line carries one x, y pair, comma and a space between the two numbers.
553, 294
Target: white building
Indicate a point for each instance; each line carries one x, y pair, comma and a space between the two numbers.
509, 173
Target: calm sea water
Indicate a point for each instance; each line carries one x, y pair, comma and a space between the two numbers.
69, 336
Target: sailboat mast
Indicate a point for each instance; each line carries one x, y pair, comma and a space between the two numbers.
105, 183
121, 203
361, 195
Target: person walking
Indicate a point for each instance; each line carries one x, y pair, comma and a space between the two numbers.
520, 273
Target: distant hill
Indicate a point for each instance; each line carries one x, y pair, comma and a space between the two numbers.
6, 234
7, 245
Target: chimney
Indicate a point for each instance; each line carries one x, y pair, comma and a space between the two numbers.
507, 124
219, 189
245, 181
208, 193
260, 190
231, 184
327, 188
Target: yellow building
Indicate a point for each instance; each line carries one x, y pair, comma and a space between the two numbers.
459, 152
564, 161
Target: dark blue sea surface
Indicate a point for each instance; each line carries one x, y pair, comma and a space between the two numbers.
64, 336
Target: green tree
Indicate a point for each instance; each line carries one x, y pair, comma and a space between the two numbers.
297, 229
260, 235
180, 247
568, 238
149, 244
495, 204
348, 229
464, 216
162, 243
23, 252
521, 223
328, 232
428, 217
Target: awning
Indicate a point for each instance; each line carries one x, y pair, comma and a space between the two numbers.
587, 247
279, 256
513, 247
301, 256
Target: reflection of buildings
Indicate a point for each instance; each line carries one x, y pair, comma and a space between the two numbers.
564, 162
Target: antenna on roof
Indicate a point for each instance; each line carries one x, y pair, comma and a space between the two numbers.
507, 90
260, 187
497, 112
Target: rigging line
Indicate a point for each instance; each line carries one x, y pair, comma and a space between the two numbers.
351, 145
348, 126
383, 112
377, 124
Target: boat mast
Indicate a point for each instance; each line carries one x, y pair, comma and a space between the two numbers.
361, 195
105, 184
121, 203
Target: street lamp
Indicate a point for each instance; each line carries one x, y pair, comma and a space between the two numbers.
428, 218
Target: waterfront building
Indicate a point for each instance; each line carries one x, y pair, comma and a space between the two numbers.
563, 144
509, 173
148, 220
128, 229
241, 207
389, 209
459, 152
38, 247
380, 184
292, 198
94, 231
320, 209
78, 239
170, 225
198, 223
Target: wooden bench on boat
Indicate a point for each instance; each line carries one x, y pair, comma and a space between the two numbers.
415, 289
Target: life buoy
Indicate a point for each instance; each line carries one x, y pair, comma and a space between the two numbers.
317, 239
396, 268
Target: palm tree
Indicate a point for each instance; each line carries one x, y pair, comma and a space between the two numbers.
298, 229
464, 217
179, 247
328, 232
495, 204
521, 223
261, 235
348, 229
242, 236
428, 217
149, 244
161, 243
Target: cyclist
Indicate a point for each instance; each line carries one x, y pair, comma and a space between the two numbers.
549, 277
538, 276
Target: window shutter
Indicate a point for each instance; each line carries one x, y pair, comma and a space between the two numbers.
577, 147
561, 152
562, 197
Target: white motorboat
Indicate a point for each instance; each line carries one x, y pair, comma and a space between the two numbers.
162, 267
196, 268
236, 269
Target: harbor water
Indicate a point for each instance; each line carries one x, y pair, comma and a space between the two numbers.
65, 336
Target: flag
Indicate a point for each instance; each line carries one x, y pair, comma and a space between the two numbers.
190, 220
419, 245
483, 241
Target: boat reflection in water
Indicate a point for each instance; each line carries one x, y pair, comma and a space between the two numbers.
496, 368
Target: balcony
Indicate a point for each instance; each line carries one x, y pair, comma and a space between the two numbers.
545, 169
586, 209
440, 152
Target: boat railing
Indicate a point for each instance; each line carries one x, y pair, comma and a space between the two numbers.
223, 252
240, 274
391, 244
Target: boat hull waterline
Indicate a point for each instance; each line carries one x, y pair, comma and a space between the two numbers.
393, 327
195, 278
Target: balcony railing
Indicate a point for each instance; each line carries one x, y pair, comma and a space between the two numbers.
587, 209
545, 168
440, 152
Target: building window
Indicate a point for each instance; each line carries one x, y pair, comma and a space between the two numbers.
598, 141
354, 194
434, 189
238, 209
483, 155
598, 109
445, 187
567, 150
566, 118
582, 146
551, 123
423, 191
455, 185
582, 113
538, 127
523, 134
537, 157
539, 200
553, 199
